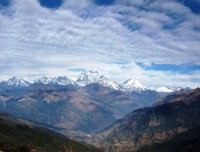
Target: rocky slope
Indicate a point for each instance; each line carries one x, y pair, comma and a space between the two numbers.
188, 141
147, 126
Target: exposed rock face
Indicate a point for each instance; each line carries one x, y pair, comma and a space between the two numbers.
152, 125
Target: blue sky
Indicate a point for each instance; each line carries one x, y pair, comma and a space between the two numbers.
52, 4
186, 68
154, 41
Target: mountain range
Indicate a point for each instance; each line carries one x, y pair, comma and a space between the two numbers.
85, 78
77, 108
116, 117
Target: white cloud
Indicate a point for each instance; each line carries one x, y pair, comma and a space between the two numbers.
38, 41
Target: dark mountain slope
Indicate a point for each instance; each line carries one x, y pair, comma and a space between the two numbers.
188, 141
20, 137
147, 126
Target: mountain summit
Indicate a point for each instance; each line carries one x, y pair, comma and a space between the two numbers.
132, 85
85, 78
60, 80
14, 82
168, 89
93, 76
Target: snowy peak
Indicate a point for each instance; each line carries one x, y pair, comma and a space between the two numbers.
102, 79
107, 83
85, 78
15, 82
168, 89
132, 85
63, 80
88, 77
43, 80
93, 76
60, 80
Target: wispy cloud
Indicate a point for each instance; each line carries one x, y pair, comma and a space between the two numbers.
111, 36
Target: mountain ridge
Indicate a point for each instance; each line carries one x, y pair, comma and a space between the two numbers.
85, 78
150, 125
20, 135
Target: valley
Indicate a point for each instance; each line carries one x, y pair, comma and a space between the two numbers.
99, 75
102, 113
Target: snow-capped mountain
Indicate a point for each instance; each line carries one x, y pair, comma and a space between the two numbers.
132, 85
43, 80
60, 80
14, 82
107, 83
88, 77
63, 80
168, 89
93, 76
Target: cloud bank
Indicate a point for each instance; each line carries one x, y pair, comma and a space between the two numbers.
42, 38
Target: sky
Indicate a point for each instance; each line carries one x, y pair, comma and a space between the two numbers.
154, 41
